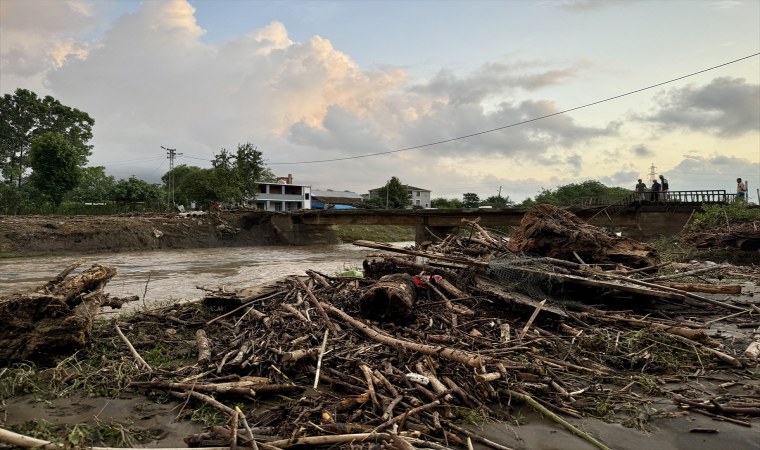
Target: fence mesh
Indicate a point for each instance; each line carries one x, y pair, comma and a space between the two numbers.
529, 276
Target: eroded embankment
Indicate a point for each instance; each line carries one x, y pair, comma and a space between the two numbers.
36, 235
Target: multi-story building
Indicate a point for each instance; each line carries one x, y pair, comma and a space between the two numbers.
420, 197
282, 195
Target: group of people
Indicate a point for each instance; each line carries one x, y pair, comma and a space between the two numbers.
658, 191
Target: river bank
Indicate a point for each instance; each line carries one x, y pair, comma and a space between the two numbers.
23, 236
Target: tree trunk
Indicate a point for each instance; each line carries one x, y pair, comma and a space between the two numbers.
709, 288
391, 298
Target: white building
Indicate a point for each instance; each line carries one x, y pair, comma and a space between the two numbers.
420, 197
282, 195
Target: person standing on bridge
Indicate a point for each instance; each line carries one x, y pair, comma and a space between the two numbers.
741, 190
655, 191
664, 187
641, 190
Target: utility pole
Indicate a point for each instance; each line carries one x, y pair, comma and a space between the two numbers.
171, 153
387, 193
499, 191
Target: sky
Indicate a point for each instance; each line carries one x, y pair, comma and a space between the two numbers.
315, 80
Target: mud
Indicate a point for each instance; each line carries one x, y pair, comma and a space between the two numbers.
38, 235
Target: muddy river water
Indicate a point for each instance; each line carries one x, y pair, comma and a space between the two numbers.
174, 274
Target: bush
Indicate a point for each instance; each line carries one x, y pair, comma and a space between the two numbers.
714, 215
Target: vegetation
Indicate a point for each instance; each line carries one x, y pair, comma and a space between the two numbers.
446, 203
566, 193
394, 195
233, 178
55, 166
497, 201
714, 215
470, 200
380, 233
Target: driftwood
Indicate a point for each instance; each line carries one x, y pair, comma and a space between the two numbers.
392, 297
685, 274
437, 256
204, 349
56, 318
547, 230
707, 288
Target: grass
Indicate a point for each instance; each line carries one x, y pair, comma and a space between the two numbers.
382, 233
82, 435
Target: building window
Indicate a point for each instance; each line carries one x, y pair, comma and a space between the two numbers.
418, 202
409, 192
427, 205
306, 196
278, 206
418, 194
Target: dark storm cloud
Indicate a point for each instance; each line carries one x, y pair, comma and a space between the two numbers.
726, 107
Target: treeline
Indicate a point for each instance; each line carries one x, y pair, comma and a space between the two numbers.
44, 152
562, 195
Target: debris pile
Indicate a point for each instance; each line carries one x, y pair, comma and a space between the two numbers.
745, 236
56, 317
434, 335
557, 233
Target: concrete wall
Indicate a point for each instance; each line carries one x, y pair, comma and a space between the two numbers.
291, 233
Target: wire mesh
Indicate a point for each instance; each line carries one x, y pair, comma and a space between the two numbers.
529, 276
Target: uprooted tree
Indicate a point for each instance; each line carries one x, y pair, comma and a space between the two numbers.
550, 231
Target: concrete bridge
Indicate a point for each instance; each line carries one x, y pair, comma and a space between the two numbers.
633, 217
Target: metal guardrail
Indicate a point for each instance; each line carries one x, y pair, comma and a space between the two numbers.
698, 196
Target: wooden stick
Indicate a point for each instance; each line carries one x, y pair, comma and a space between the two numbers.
417, 266
247, 428
532, 318
475, 437
334, 439
241, 388
370, 386
438, 256
140, 362
233, 435
455, 355
729, 359
540, 408
204, 398
677, 291
643, 269
316, 303
320, 279
319, 360
240, 307
204, 348
411, 412
707, 288
684, 274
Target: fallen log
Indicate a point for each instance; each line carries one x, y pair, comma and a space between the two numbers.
54, 319
438, 256
717, 407
707, 288
391, 298
685, 274
451, 354
420, 267
204, 349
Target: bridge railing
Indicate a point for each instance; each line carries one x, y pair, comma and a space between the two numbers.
698, 196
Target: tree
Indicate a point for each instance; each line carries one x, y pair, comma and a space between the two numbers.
393, 195
136, 190
56, 166
564, 194
446, 203
94, 186
498, 201
24, 116
210, 185
470, 200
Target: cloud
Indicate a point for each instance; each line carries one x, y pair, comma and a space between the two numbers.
590, 5
726, 4
726, 107
493, 79
641, 151
38, 37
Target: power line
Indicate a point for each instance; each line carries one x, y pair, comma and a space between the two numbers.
517, 123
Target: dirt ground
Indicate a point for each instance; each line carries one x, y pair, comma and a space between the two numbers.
36, 235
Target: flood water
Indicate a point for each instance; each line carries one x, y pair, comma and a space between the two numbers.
174, 274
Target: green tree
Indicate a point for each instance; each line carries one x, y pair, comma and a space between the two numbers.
56, 166
24, 116
564, 194
210, 185
394, 195
446, 203
136, 190
94, 186
498, 201
470, 200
